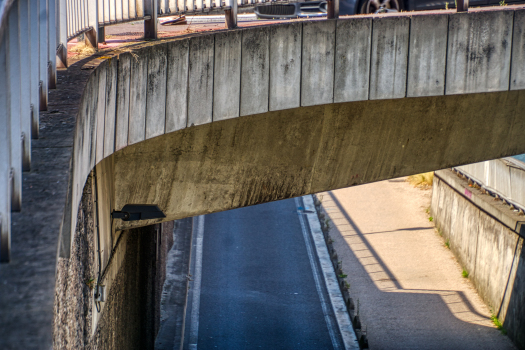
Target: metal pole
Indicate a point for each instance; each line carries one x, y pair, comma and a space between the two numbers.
13, 66
5, 156
150, 25
91, 37
462, 5
332, 9
44, 53
62, 34
230, 13
25, 83
35, 64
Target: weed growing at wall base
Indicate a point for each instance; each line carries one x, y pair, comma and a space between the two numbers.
498, 324
464, 273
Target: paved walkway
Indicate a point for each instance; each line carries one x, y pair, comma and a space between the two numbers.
408, 285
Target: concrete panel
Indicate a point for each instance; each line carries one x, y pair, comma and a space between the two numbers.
352, 59
101, 111
177, 85
517, 72
111, 102
255, 74
137, 97
123, 91
227, 75
317, 80
427, 55
200, 82
25, 84
285, 66
389, 57
156, 94
479, 48
35, 62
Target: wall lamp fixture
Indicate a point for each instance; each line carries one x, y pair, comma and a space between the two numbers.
134, 212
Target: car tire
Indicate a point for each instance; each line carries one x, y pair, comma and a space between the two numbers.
373, 6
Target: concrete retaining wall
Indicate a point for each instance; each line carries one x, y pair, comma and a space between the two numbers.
483, 234
130, 316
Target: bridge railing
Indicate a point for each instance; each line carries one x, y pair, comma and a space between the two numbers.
504, 178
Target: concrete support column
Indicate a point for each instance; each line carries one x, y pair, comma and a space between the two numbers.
35, 66
5, 156
231, 14
101, 35
150, 25
25, 83
44, 53
332, 9
13, 66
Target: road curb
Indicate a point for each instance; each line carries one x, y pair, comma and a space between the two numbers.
343, 286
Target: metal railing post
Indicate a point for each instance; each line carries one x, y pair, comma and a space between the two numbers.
25, 83
150, 25
230, 14
34, 67
462, 5
333, 9
52, 27
13, 67
5, 156
61, 56
91, 37
44, 53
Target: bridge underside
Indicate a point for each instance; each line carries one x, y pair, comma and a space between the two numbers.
277, 155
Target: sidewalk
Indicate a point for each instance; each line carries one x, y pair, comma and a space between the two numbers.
408, 285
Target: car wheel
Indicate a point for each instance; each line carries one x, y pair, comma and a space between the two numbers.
378, 6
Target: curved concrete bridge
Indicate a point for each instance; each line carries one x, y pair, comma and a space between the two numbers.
235, 118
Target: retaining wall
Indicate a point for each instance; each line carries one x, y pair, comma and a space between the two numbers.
484, 236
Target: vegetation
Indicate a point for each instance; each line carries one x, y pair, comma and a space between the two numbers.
464, 273
424, 180
498, 324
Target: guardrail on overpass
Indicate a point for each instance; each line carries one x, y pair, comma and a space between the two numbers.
503, 178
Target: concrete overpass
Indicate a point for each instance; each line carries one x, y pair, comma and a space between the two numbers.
229, 119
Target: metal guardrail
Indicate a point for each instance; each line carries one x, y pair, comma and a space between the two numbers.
504, 178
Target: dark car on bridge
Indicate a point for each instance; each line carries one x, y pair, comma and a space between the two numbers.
353, 7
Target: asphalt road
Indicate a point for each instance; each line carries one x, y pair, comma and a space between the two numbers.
257, 288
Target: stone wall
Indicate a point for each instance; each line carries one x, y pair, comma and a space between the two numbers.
483, 235
130, 316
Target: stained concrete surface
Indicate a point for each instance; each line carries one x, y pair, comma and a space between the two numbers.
407, 285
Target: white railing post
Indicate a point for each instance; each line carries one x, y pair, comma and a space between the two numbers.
44, 53
150, 25
52, 37
13, 66
25, 83
230, 14
92, 35
35, 66
61, 57
5, 156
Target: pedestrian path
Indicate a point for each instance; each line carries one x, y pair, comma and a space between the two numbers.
406, 283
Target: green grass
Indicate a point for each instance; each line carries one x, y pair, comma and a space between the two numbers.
447, 244
464, 273
498, 324
430, 218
